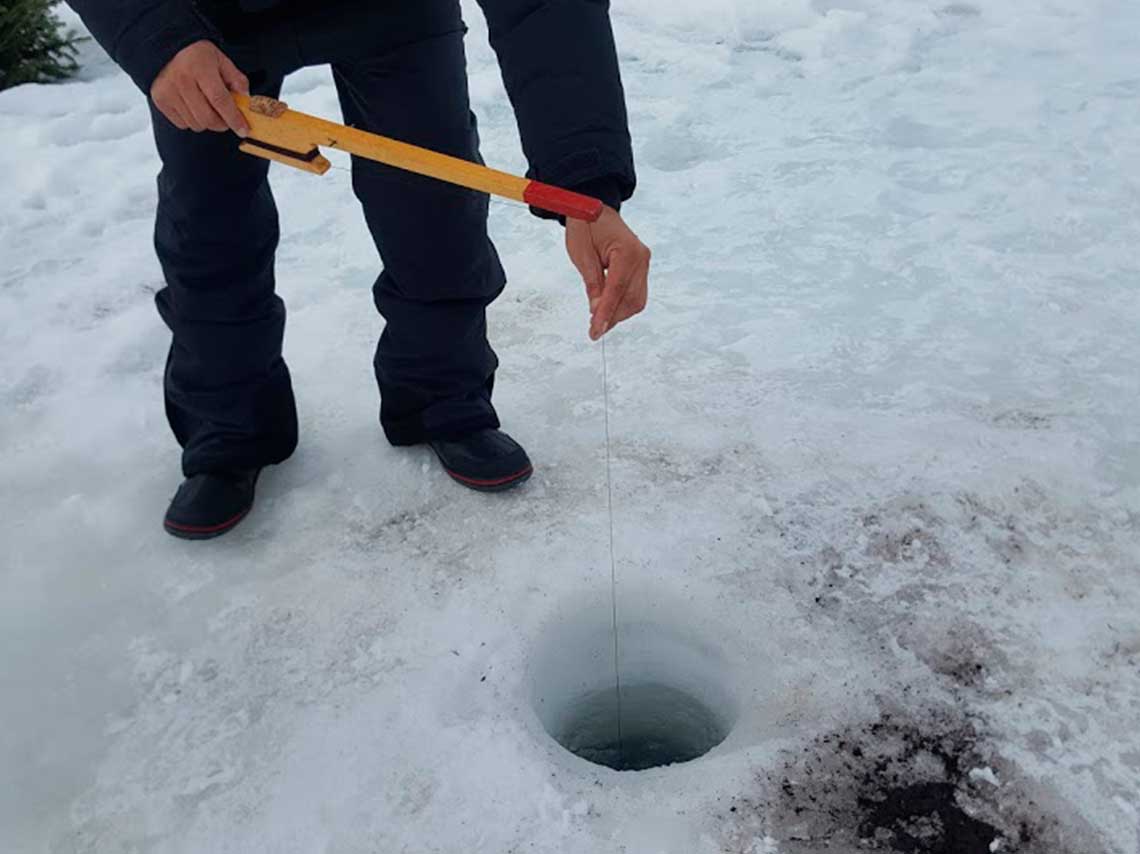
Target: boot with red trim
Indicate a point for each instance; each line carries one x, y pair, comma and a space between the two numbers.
210, 504
487, 460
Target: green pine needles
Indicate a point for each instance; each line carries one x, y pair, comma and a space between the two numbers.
33, 48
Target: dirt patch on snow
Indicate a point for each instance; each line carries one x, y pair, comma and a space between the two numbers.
903, 784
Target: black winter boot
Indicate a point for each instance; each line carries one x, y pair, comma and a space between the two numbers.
487, 460
208, 505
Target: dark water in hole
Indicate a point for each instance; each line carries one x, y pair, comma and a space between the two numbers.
659, 726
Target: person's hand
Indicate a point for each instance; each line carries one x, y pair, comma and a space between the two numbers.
193, 90
614, 265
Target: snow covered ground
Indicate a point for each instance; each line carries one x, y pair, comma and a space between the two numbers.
875, 456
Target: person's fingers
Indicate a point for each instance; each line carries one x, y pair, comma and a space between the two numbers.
584, 257
619, 273
176, 118
233, 78
636, 296
205, 116
632, 304
216, 93
187, 116
169, 109
630, 270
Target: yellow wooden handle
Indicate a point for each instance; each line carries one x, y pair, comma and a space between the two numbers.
291, 137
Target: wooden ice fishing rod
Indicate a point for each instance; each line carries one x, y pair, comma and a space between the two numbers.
294, 139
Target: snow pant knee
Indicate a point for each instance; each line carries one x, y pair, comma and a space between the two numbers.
400, 71
434, 365
227, 389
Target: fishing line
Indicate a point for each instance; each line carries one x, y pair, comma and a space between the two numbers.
609, 507
613, 560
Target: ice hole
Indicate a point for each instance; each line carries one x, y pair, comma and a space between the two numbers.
675, 702
657, 725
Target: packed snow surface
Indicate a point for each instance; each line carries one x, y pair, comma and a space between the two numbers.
875, 454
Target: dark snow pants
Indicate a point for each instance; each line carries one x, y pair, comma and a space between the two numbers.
399, 70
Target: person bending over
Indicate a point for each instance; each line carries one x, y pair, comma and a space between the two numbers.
400, 71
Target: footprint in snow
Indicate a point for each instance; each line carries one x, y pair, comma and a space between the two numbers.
675, 149
960, 10
81, 128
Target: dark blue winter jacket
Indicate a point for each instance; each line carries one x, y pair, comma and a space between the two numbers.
557, 57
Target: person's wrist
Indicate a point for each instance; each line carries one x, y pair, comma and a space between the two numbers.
605, 189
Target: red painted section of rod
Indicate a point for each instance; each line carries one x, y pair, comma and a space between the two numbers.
565, 202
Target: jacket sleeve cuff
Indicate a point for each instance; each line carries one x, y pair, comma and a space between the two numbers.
610, 179
145, 47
